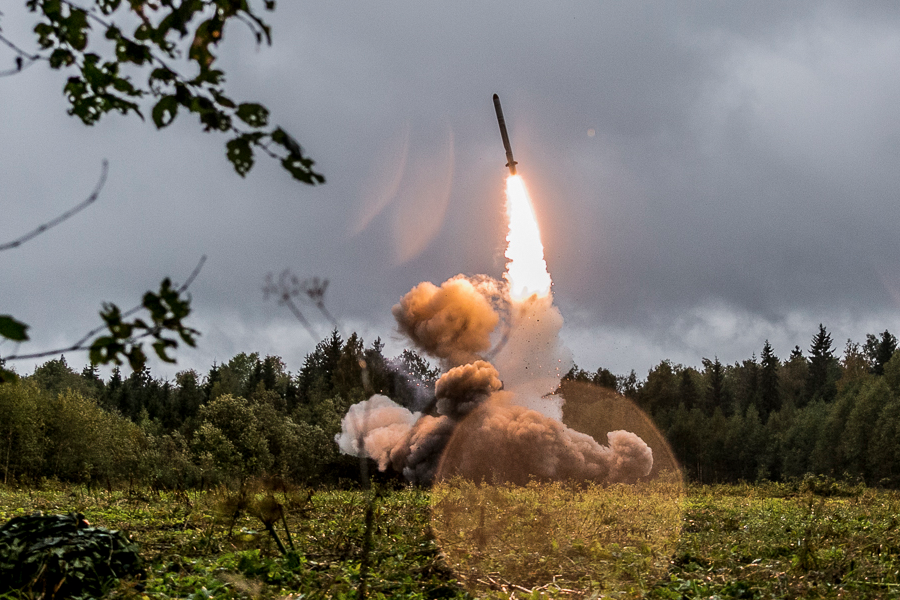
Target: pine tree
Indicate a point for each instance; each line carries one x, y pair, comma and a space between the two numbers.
880, 350
660, 392
745, 384
769, 388
823, 368
792, 379
687, 389
605, 378
716, 394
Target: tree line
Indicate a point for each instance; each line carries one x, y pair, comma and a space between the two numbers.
248, 417
762, 418
777, 419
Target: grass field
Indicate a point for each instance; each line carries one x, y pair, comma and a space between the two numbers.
812, 540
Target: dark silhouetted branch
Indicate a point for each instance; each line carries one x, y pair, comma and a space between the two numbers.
82, 344
23, 59
69, 213
289, 286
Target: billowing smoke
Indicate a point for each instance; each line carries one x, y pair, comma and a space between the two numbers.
493, 423
463, 388
452, 322
416, 454
373, 427
504, 442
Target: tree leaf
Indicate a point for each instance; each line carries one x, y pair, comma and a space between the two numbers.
7, 376
254, 115
12, 329
240, 154
165, 111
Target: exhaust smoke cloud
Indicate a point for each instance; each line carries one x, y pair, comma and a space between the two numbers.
496, 419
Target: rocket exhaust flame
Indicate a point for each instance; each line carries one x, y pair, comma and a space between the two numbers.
526, 271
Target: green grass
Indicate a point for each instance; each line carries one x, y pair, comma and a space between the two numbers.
768, 541
558, 539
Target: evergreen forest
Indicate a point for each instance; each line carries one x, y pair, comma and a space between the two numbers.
816, 411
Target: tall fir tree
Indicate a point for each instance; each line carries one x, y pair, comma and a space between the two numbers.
823, 368
716, 394
688, 393
769, 385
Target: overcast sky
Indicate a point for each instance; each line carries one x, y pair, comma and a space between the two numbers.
706, 175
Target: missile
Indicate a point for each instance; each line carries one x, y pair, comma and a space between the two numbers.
509, 157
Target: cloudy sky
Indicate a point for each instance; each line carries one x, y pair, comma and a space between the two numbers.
706, 175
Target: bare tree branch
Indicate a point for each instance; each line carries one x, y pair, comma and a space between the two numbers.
69, 213
21, 58
289, 286
82, 344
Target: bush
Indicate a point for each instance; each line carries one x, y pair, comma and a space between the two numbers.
62, 556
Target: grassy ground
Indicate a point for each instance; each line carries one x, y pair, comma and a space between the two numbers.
769, 541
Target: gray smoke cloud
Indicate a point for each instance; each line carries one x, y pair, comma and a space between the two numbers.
415, 455
488, 426
463, 388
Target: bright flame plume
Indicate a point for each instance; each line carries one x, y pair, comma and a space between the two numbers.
526, 270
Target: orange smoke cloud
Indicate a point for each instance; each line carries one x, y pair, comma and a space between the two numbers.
501, 442
452, 322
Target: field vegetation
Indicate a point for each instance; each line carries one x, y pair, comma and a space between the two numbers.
817, 538
232, 486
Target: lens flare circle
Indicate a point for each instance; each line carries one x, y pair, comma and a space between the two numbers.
549, 537
526, 271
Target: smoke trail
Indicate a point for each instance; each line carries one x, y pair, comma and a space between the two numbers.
533, 360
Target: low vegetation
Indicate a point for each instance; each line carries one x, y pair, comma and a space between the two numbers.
816, 538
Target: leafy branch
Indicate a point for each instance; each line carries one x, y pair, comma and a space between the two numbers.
165, 31
166, 311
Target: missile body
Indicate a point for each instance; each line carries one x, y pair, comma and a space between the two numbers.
509, 155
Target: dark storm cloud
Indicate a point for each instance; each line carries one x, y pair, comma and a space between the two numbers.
742, 169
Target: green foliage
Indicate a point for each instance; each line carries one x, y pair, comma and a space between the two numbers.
22, 439
193, 550
167, 310
808, 539
823, 368
232, 436
62, 556
879, 350
769, 387
55, 377
12, 329
16, 331
147, 39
